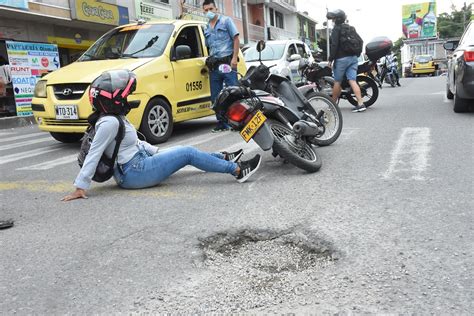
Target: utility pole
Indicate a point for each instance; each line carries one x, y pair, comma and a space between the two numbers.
245, 23
327, 35
464, 16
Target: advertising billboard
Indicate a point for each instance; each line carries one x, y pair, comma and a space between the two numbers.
28, 61
419, 20
99, 12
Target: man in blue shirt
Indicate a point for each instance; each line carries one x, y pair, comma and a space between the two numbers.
222, 41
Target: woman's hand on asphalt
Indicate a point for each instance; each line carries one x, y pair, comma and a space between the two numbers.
78, 194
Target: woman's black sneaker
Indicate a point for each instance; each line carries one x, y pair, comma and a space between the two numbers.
234, 157
248, 168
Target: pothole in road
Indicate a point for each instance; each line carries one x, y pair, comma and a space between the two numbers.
251, 270
267, 251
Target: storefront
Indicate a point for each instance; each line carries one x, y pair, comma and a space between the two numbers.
70, 30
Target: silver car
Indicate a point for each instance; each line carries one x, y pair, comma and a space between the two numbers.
460, 78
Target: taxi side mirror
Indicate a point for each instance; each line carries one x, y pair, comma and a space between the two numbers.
134, 104
182, 52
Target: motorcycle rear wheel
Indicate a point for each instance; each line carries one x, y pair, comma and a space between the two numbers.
298, 153
368, 89
331, 119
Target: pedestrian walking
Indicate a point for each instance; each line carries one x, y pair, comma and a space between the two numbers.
346, 46
139, 164
222, 41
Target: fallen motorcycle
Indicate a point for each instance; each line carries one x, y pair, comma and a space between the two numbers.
286, 123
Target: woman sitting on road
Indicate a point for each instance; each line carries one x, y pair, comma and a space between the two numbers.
139, 164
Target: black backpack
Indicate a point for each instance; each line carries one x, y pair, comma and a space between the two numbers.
105, 168
349, 41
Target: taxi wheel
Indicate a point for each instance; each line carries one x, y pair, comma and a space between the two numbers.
157, 122
67, 137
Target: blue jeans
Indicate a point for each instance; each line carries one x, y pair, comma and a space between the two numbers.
144, 170
217, 80
345, 66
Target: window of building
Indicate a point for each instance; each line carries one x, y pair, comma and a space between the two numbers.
278, 19
220, 6
194, 3
237, 8
272, 18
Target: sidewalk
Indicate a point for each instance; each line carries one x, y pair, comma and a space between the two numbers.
16, 121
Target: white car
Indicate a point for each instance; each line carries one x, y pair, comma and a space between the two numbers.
284, 55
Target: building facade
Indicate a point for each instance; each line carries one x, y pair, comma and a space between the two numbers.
307, 30
70, 27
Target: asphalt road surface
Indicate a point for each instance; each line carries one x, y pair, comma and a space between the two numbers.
386, 225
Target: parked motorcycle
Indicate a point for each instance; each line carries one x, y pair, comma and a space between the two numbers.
282, 120
368, 86
318, 95
366, 78
387, 73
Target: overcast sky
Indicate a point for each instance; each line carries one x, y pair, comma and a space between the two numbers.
371, 17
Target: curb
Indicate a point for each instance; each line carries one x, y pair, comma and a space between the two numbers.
17, 121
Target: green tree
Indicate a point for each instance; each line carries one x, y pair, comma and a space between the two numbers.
453, 24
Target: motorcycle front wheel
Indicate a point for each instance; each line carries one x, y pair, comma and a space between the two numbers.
392, 81
368, 89
297, 151
331, 119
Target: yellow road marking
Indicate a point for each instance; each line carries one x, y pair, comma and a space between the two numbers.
66, 186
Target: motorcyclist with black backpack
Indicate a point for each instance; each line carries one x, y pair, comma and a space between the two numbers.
343, 57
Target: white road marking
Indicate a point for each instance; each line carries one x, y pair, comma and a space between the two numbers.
410, 155
26, 143
347, 133
52, 163
8, 139
26, 154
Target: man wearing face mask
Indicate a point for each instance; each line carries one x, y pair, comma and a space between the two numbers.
222, 41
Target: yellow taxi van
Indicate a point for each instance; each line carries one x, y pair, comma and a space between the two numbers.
423, 65
168, 58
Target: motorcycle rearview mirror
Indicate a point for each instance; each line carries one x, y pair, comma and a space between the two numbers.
260, 47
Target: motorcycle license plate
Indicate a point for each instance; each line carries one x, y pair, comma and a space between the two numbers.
252, 126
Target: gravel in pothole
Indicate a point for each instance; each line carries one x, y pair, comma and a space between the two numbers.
247, 270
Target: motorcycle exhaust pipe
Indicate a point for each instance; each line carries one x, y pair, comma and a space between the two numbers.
305, 128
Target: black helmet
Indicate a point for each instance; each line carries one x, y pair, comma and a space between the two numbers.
108, 92
337, 15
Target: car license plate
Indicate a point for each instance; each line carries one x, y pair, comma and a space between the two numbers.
252, 126
66, 112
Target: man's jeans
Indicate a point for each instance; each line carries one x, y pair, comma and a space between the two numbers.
144, 171
217, 80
